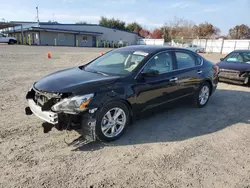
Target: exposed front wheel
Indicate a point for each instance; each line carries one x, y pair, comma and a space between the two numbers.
202, 96
112, 121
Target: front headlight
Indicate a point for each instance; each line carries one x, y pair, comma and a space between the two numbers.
73, 105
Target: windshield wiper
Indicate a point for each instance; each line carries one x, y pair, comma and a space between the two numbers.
101, 73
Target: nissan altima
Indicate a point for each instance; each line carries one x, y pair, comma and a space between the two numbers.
235, 67
102, 97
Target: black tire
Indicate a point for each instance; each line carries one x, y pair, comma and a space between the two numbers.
197, 102
101, 114
197, 51
11, 42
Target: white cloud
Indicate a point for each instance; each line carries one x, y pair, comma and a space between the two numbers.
72, 1
122, 1
180, 4
211, 10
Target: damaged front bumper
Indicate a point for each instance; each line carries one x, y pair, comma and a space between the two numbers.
234, 76
84, 122
47, 116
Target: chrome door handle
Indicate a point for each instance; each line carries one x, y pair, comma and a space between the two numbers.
199, 72
173, 79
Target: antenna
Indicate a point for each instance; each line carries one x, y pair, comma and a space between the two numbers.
37, 15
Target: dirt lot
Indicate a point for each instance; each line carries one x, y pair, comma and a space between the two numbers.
179, 147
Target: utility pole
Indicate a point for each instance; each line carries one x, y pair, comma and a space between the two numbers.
37, 15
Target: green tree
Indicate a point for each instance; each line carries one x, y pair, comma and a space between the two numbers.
55, 22
113, 23
240, 32
134, 27
82, 22
166, 35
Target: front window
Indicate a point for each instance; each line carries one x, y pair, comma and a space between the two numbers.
246, 56
161, 62
117, 62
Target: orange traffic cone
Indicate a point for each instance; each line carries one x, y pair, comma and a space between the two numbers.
49, 55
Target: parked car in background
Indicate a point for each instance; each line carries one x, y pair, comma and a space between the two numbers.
235, 67
6, 39
196, 48
104, 95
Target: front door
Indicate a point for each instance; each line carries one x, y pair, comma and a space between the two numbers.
152, 91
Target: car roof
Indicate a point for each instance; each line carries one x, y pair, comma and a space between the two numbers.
148, 48
241, 51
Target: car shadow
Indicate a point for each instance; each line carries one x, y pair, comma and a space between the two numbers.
180, 121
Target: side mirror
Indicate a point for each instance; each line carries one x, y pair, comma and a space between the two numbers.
150, 73
221, 59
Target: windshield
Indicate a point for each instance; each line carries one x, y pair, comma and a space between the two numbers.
237, 57
117, 62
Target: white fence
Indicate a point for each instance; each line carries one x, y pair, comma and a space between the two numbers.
159, 42
222, 46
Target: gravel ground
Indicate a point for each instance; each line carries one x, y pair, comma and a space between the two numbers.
178, 147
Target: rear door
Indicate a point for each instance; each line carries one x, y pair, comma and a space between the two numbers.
188, 72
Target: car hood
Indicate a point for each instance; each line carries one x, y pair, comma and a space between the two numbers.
234, 66
74, 80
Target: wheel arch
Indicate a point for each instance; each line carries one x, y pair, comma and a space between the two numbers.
129, 106
125, 102
209, 83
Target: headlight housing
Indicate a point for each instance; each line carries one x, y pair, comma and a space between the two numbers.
73, 105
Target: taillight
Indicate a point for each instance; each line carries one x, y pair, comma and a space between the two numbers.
216, 69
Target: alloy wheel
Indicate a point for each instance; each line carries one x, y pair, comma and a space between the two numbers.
113, 122
204, 95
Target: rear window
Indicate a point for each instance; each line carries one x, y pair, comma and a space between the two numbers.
185, 60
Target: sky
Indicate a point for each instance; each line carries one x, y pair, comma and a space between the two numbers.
224, 14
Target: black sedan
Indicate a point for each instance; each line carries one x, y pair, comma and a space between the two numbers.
102, 97
235, 67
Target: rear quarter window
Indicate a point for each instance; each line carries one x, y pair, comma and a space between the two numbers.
199, 61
